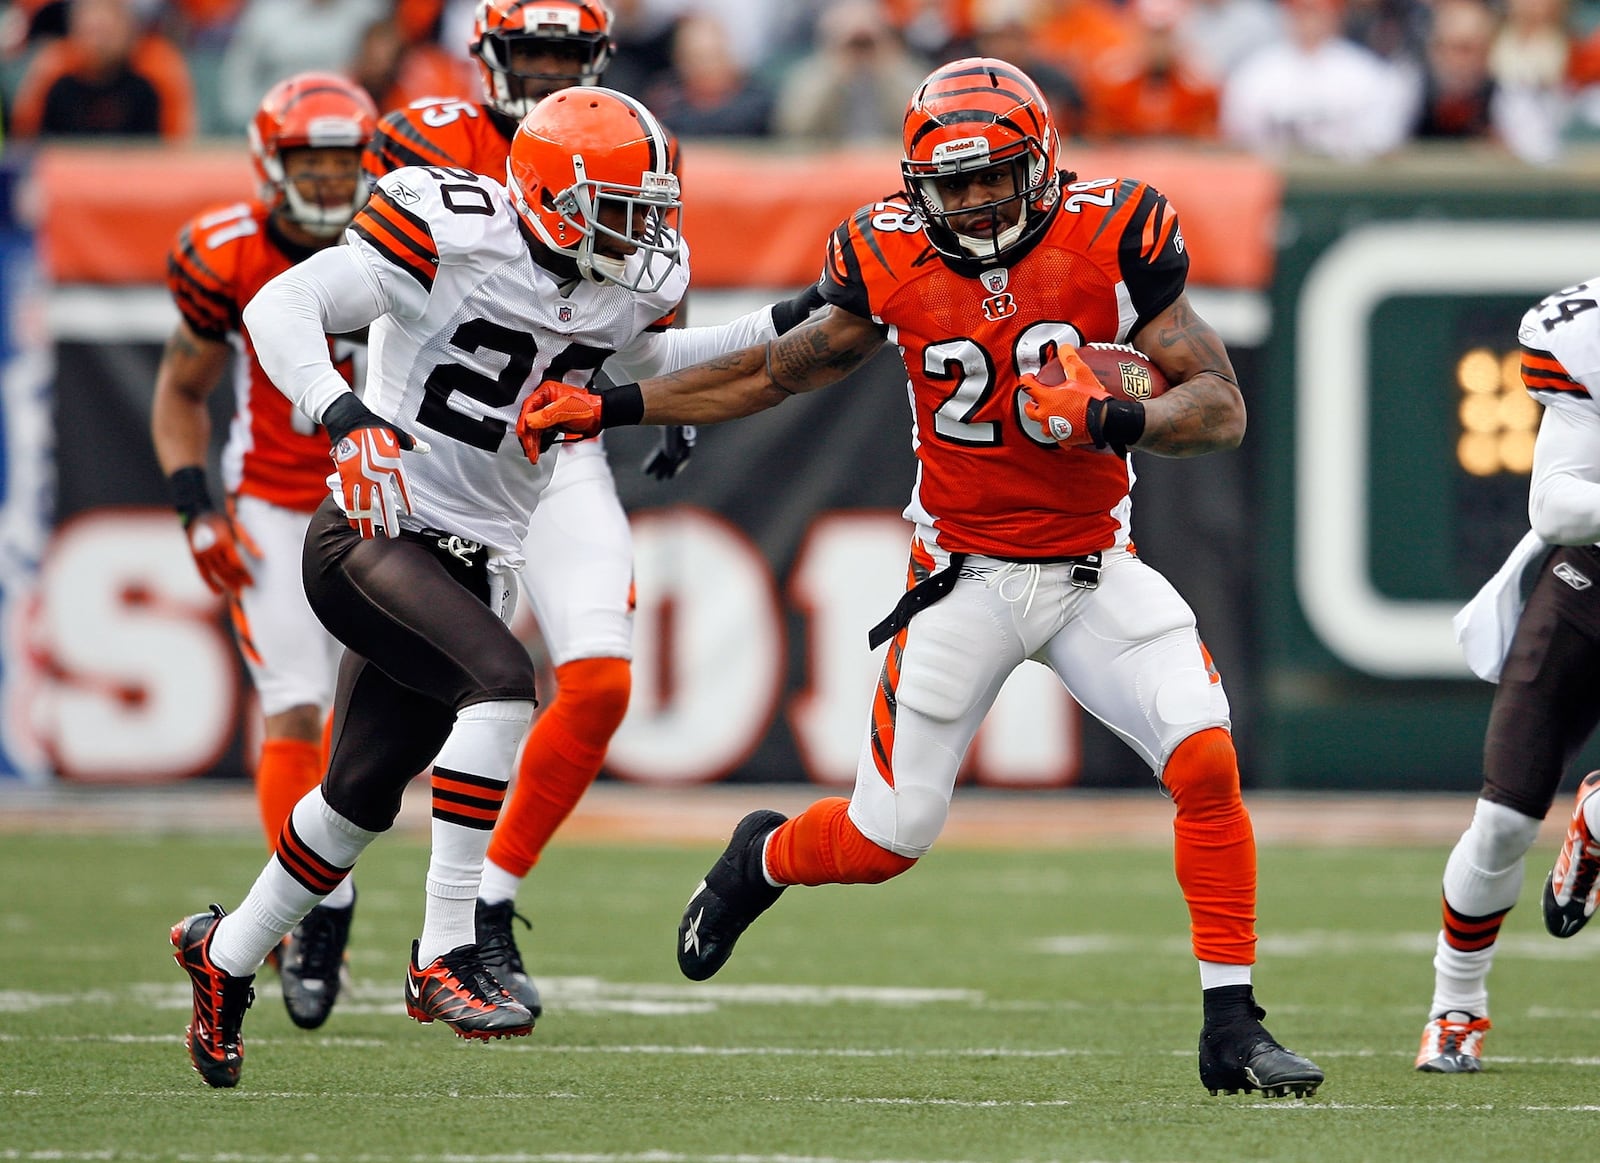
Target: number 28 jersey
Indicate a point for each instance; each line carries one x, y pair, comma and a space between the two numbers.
990, 480
472, 325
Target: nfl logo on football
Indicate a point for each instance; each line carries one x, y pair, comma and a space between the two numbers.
1135, 380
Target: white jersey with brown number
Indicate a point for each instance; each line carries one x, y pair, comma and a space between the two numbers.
1560, 338
472, 326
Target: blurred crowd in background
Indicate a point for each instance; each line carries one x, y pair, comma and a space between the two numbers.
1344, 79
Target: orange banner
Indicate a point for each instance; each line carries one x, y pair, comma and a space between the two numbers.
757, 219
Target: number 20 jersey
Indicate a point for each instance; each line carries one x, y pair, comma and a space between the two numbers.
473, 325
989, 480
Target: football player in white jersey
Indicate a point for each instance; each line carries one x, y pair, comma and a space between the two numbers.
1545, 655
474, 293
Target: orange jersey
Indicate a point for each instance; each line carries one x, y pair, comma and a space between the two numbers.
220, 260
444, 132
453, 134
989, 480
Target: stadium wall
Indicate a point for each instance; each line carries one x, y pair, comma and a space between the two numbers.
760, 569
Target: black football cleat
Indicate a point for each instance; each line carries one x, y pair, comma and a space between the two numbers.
734, 893
498, 948
216, 1047
458, 990
312, 964
1237, 1054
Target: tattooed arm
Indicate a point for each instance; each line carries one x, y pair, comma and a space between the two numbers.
190, 368
1203, 411
819, 352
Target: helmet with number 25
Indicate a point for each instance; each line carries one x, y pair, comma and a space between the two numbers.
578, 31
311, 111
967, 116
590, 173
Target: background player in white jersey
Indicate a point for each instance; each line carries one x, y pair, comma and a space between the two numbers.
981, 271
474, 294
1544, 653
579, 580
306, 142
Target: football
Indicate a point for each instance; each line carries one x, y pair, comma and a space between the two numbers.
1125, 371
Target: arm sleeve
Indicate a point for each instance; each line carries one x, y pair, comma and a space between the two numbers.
656, 352
332, 292
1564, 493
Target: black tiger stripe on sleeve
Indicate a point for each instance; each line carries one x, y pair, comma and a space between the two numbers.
400, 143
1543, 372
200, 292
843, 284
398, 235
1151, 257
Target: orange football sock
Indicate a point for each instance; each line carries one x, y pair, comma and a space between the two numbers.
287, 770
822, 846
327, 738
1215, 849
561, 757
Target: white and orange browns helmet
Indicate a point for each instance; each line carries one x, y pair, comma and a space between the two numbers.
590, 173
579, 29
311, 111
969, 115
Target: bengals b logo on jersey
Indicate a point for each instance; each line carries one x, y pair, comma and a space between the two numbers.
998, 307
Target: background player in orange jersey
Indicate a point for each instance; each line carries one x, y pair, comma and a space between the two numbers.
579, 577
306, 142
992, 262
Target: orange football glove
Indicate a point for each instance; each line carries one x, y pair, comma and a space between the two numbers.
1069, 412
372, 482
366, 451
216, 545
556, 409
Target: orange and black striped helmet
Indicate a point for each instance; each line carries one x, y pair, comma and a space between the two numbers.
576, 29
970, 115
591, 174
311, 111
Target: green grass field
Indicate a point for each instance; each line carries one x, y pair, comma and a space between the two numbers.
991, 1005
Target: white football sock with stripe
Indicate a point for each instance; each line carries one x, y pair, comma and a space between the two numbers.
320, 846
470, 777
1482, 878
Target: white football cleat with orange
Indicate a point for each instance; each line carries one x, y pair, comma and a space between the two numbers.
1452, 1043
1571, 889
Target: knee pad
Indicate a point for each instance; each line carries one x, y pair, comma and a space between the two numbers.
1203, 773
592, 696
862, 860
919, 817
1498, 836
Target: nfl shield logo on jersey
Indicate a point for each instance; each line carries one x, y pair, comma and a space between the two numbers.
564, 313
996, 281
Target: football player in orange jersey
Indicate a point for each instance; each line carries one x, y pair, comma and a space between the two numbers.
306, 142
579, 582
993, 262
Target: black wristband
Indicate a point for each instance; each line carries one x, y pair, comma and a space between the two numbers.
622, 404
790, 313
1118, 422
348, 413
189, 493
